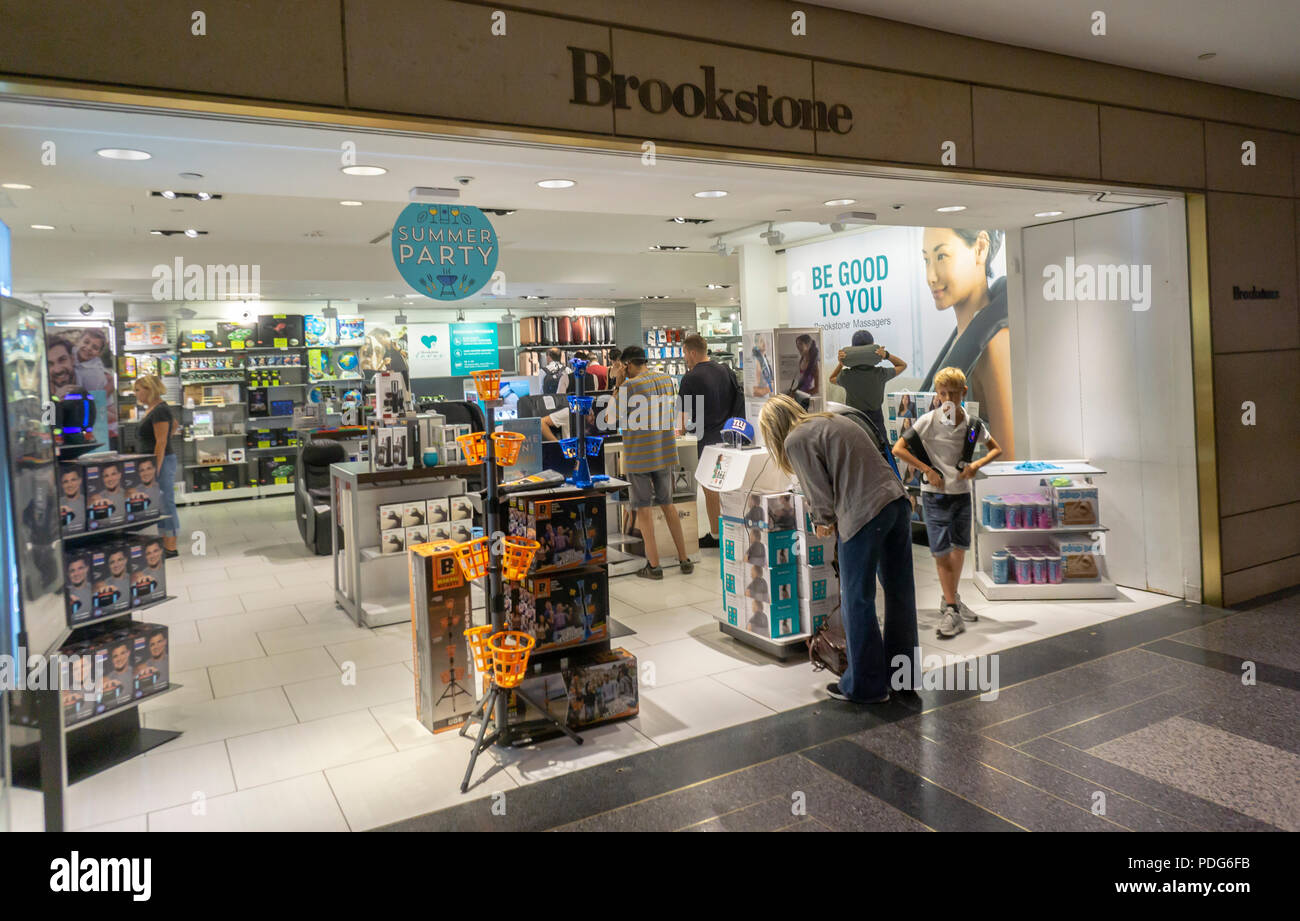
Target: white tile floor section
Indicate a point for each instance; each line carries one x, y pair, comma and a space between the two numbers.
273, 740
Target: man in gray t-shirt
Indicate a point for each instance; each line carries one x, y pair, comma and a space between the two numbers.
863, 378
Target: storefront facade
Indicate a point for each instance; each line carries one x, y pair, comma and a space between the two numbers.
787, 92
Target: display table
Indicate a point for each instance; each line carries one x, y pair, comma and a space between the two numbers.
373, 587
1002, 478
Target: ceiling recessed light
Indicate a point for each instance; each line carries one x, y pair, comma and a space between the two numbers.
1048, 213
948, 209
168, 194
835, 202
42, 227
350, 204
716, 287
556, 184
157, 233
191, 233
1208, 56
711, 193
666, 248
15, 185
203, 196
123, 153
364, 170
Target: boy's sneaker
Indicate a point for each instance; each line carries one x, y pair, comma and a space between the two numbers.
950, 625
687, 567
650, 572
966, 613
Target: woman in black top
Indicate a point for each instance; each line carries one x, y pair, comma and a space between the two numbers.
155, 431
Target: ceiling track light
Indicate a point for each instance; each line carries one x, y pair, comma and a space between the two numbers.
172, 195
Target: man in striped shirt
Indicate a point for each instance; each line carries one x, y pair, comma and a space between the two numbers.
648, 419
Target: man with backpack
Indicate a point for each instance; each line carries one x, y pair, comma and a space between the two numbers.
708, 396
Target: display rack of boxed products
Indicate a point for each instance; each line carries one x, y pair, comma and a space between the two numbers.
110, 573
1038, 531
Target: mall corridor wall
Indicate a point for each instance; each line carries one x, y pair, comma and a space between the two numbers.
1007, 111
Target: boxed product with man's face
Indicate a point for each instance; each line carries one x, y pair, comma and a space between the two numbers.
78, 682
78, 584
119, 675
148, 566
105, 492
143, 491
562, 609
571, 530
110, 576
150, 658
759, 546
771, 621
440, 614
773, 510
72, 498
813, 551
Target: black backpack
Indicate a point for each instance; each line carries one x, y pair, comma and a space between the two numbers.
551, 379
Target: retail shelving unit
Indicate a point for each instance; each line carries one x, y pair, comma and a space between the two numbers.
1003, 477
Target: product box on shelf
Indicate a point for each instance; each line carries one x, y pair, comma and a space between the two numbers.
571, 529
78, 584
150, 659
237, 335
279, 331
757, 546
275, 469
197, 339
77, 677
1082, 556
320, 330
143, 491
462, 508
1075, 505
814, 551
772, 510
590, 690
818, 583
414, 513
215, 478
392, 540
390, 516
111, 577
437, 511
440, 613
563, 609
418, 534
771, 621
732, 605
148, 567
460, 531
105, 492
119, 676
440, 530
72, 498
761, 583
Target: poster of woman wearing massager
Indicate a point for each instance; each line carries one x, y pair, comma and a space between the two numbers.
935, 296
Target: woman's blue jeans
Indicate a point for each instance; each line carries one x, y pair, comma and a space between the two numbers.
170, 522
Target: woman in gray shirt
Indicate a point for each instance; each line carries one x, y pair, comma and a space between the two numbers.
851, 490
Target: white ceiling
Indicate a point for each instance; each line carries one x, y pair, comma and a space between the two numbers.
282, 186
1254, 41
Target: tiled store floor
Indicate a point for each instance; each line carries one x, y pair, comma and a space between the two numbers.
273, 740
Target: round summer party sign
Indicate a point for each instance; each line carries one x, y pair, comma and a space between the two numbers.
445, 252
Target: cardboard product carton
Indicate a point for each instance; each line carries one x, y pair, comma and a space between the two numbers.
771, 621
390, 516
148, 571
437, 511
275, 469
592, 689
280, 331
105, 492
772, 510
756, 546
1083, 558
818, 584
571, 530
1075, 505
237, 335
562, 609
77, 678
150, 658
414, 514
462, 508
143, 491
815, 613
78, 585
392, 541
72, 498
440, 614
119, 676
110, 574
417, 535
731, 607
815, 552
440, 531
216, 478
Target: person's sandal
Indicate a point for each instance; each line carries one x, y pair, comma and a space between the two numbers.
687, 567
650, 572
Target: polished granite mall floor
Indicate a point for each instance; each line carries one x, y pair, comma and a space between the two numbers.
1137, 700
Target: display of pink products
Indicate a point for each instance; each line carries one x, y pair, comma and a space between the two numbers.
1030, 565
1032, 511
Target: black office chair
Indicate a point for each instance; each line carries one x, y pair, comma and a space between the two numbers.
312, 499
460, 412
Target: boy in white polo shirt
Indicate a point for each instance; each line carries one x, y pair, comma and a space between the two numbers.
945, 495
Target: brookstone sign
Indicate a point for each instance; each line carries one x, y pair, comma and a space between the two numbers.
596, 84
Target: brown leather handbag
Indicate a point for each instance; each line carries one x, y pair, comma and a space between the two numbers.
828, 647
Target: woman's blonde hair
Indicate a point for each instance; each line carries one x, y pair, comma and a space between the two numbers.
152, 384
781, 415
